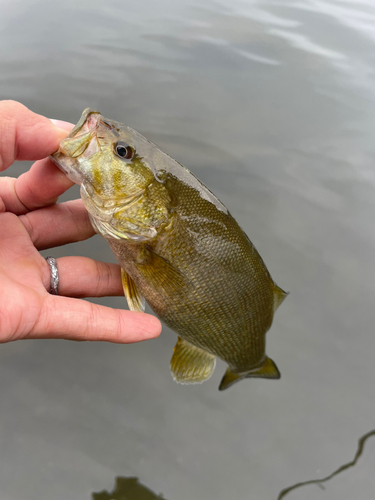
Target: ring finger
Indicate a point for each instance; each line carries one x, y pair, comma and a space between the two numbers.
83, 277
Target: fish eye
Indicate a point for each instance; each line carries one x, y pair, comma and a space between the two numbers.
123, 150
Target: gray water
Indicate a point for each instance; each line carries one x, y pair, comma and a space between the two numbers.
272, 105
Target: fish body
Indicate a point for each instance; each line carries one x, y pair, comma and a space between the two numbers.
178, 247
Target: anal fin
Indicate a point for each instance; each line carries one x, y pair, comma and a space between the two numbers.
136, 301
190, 364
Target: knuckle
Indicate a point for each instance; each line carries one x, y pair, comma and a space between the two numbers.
30, 228
8, 131
118, 332
79, 217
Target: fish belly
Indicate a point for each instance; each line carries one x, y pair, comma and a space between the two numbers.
223, 306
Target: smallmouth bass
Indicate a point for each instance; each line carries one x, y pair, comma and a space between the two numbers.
178, 247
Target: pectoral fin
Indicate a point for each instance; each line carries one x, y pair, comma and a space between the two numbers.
267, 370
190, 364
136, 301
160, 273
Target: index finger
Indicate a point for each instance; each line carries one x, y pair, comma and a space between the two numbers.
25, 135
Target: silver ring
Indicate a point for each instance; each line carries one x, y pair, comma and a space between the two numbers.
54, 283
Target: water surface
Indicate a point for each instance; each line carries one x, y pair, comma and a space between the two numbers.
272, 105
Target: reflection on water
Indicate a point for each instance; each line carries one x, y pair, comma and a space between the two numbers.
361, 445
128, 488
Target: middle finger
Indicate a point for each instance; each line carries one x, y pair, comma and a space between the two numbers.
57, 225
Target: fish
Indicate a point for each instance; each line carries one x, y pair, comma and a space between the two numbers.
179, 249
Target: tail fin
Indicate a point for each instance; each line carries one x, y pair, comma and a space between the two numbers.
267, 370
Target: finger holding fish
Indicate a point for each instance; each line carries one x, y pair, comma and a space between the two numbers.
76, 319
58, 224
19, 194
25, 135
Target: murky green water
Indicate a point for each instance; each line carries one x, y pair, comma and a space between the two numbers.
272, 105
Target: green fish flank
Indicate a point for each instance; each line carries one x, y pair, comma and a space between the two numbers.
179, 249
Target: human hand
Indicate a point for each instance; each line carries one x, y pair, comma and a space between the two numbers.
30, 220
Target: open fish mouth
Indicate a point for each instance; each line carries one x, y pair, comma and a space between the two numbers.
82, 140
89, 121
81, 144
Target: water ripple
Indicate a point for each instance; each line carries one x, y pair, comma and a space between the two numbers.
302, 42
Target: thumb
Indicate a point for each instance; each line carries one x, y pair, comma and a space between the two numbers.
25, 135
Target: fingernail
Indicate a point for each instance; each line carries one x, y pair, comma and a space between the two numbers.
61, 124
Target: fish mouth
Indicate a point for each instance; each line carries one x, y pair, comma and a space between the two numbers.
82, 140
89, 121
80, 144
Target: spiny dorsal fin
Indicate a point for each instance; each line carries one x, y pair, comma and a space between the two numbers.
136, 301
267, 370
190, 364
278, 296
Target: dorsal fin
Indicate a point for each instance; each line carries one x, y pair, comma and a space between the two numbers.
278, 296
190, 364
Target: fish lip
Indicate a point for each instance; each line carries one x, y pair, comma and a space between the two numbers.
86, 128
84, 133
85, 124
